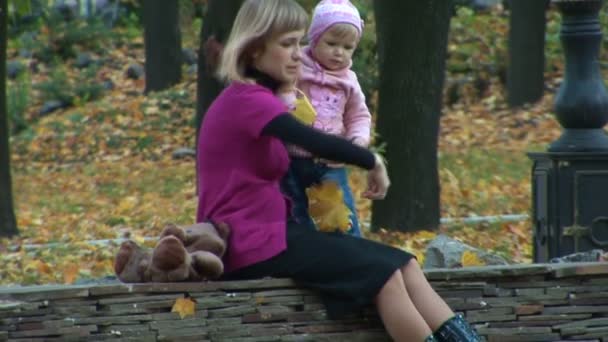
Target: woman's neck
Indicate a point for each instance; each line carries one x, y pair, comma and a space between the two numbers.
263, 79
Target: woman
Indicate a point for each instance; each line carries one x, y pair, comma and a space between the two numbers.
241, 160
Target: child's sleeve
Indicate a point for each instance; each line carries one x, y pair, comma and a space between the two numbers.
357, 118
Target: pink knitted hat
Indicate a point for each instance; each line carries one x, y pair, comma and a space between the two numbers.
330, 12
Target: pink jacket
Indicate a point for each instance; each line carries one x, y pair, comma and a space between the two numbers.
338, 100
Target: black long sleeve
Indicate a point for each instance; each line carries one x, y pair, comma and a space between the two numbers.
327, 146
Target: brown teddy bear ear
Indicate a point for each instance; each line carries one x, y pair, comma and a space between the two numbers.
173, 230
125, 252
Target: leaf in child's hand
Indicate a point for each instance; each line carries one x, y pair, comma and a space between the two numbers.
184, 307
326, 207
470, 258
304, 110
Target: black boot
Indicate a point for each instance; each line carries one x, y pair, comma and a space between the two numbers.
431, 338
456, 329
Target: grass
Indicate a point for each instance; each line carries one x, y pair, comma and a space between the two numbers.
477, 164
141, 195
484, 182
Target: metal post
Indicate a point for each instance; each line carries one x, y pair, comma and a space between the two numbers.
581, 104
570, 180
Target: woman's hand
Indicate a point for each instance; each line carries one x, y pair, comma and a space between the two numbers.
377, 181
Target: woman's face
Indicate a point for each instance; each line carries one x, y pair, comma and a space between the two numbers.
280, 57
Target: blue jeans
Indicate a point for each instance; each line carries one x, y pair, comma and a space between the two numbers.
305, 172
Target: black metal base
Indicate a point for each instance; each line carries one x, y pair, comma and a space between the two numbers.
581, 140
570, 203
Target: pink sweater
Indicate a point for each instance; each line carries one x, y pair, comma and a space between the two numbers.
239, 170
338, 100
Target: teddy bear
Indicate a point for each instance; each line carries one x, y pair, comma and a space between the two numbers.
192, 253
131, 262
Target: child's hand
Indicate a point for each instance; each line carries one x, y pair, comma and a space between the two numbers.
332, 164
377, 181
360, 142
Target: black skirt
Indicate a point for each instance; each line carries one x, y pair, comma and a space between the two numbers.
347, 271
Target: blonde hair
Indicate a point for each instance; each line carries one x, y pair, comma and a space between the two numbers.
256, 22
343, 30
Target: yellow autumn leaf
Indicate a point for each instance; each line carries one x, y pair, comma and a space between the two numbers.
153, 110
326, 207
43, 267
419, 257
184, 307
470, 258
32, 265
425, 235
138, 238
70, 273
127, 204
304, 110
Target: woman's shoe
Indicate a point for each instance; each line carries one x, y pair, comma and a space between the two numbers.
431, 338
456, 329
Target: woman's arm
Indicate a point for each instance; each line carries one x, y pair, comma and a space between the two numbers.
327, 146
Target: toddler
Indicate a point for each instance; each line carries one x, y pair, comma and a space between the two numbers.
338, 101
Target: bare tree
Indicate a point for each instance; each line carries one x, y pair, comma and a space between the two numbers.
216, 28
214, 33
525, 72
412, 49
8, 223
162, 40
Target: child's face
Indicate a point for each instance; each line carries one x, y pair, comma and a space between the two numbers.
335, 48
280, 57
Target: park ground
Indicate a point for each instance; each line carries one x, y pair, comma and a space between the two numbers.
104, 167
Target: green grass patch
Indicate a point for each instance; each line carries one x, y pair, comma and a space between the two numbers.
476, 164
480, 182
112, 190
66, 206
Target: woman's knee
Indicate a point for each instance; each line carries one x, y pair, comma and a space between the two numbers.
393, 284
412, 268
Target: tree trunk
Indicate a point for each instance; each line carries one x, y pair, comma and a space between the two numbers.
525, 72
214, 33
162, 40
412, 49
8, 223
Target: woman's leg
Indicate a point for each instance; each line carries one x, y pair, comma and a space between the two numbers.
399, 315
338, 266
432, 307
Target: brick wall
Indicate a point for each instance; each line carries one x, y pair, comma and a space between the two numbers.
539, 302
